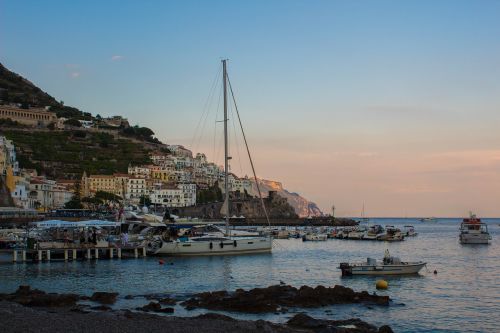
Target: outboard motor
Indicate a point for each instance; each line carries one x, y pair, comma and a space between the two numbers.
346, 269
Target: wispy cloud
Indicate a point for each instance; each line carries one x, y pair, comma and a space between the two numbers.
74, 75
117, 58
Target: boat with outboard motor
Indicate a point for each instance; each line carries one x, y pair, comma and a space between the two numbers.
388, 266
473, 231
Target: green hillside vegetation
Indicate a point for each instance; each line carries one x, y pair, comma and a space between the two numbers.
67, 154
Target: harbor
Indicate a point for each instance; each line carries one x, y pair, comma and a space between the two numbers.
420, 302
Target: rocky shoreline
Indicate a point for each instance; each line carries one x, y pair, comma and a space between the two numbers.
28, 310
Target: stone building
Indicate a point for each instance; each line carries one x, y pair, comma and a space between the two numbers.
30, 117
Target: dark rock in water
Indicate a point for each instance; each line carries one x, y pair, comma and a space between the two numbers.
272, 298
155, 307
304, 321
151, 306
385, 329
217, 316
129, 297
26, 296
167, 301
103, 297
101, 308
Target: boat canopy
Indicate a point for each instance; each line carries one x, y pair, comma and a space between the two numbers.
70, 224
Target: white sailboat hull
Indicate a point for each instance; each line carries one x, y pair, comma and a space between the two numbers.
232, 246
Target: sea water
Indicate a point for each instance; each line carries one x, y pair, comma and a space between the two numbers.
464, 295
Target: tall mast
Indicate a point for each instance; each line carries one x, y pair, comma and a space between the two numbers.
226, 152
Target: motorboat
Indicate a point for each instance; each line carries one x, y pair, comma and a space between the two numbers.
473, 231
374, 232
388, 266
409, 231
357, 233
314, 237
428, 219
392, 234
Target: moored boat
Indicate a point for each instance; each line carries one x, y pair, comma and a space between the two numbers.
473, 231
388, 266
314, 237
409, 231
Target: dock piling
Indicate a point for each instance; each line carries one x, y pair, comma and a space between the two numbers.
111, 253
119, 253
74, 254
65, 255
136, 253
89, 256
48, 255
24, 255
39, 255
14, 256
96, 252
143, 251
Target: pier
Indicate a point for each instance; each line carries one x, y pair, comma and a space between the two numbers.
74, 253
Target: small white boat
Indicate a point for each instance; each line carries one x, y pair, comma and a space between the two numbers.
357, 233
314, 237
388, 266
409, 231
428, 219
473, 231
374, 232
392, 234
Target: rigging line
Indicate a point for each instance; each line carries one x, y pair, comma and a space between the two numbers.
248, 151
205, 107
236, 139
203, 128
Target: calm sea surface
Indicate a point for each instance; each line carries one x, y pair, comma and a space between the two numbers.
463, 297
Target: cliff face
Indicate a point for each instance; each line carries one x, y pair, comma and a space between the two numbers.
303, 207
277, 207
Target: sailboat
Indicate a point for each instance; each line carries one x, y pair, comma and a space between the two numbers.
221, 242
363, 218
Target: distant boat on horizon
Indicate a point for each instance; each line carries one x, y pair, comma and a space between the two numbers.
428, 219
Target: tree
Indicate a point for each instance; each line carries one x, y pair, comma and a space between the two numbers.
107, 196
73, 122
145, 201
75, 202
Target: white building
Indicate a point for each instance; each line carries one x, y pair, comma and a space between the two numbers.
136, 188
181, 195
140, 171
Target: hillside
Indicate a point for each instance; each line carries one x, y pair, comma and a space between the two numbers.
66, 154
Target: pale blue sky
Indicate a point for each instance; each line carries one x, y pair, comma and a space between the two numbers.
344, 101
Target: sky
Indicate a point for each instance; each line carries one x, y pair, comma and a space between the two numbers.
390, 104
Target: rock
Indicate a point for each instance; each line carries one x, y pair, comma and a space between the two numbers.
385, 329
129, 297
304, 321
167, 301
217, 316
104, 297
166, 310
155, 307
26, 296
101, 308
274, 298
151, 306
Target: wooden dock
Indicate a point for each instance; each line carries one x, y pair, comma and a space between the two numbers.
72, 254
